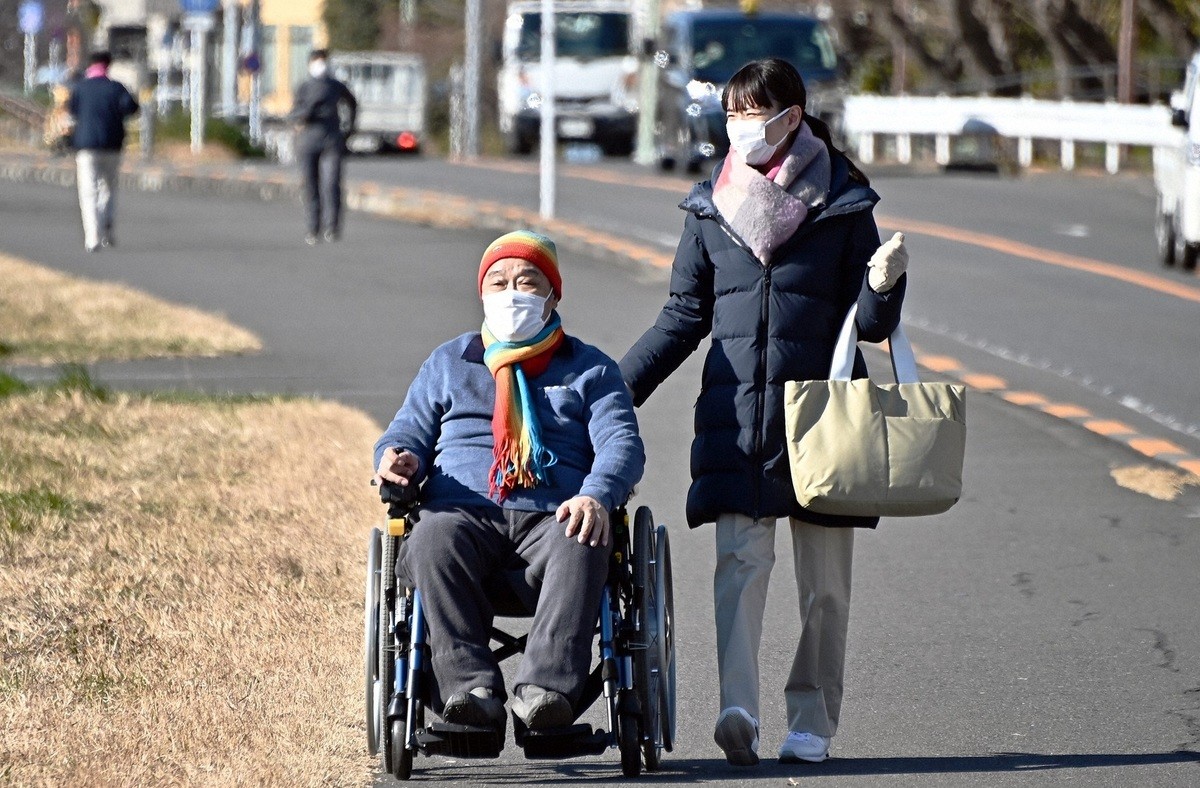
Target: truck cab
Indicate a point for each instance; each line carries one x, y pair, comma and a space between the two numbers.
595, 74
699, 50
1177, 178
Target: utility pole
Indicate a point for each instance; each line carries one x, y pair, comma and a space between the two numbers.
471, 78
649, 28
229, 59
1125, 54
548, 137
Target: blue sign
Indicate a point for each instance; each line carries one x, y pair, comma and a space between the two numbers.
200, 6
31, 16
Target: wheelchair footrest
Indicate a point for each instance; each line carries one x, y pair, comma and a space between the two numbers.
554, 743
460, 741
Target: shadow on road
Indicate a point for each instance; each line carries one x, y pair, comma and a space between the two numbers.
716, 770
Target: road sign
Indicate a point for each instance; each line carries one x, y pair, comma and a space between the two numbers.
31, 15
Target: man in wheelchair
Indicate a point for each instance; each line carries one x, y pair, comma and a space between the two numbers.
522, 439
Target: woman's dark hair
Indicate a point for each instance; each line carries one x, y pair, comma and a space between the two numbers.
774, 81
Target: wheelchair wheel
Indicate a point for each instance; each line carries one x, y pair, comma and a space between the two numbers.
371, 644
629, 743
665, 599
647, 662
386, 651
401, 756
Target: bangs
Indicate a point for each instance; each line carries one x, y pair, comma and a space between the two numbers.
746, 93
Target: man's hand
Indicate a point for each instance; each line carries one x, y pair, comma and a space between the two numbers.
586, 518
397, 467
887, 264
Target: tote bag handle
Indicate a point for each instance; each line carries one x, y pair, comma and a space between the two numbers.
904, 364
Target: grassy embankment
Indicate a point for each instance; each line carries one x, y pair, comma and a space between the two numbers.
180, 576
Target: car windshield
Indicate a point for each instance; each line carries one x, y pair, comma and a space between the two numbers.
720, 48
579, 35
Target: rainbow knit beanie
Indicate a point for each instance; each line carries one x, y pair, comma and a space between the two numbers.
524, 245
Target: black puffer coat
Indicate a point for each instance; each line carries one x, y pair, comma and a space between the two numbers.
769, 324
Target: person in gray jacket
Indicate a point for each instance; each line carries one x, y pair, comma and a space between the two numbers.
99, 107
325, 111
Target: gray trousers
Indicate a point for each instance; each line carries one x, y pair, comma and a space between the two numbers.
465, 562
321, 166
823, 561
96, 175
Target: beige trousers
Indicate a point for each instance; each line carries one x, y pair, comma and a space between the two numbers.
823, 558
97, 173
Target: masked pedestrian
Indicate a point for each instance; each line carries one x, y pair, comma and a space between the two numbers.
325, 112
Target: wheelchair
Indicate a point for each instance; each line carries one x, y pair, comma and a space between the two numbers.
634, 674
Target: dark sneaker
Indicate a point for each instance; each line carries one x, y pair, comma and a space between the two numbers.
479, 708
332, 235
539, 708
737, 735
108, 241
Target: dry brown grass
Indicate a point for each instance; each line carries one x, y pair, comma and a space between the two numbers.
1161, 483
181, 585
46, 317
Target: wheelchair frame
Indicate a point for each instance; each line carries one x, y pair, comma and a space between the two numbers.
635, 674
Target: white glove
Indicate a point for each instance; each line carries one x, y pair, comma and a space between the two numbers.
887, 264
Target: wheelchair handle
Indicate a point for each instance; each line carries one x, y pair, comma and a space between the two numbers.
399, 499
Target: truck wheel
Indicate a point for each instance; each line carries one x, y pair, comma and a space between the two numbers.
516, 144
1185, 253
1164, 233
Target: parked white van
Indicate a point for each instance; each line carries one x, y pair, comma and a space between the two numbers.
1177, 178
595, 73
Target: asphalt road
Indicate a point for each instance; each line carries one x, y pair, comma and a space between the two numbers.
1046, 624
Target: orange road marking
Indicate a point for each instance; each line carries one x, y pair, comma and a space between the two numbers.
982, 381
939, 363
1067, 411
1108, 428
1153, 447
1191, 466
1025, 398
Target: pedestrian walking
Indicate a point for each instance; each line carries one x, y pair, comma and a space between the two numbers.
99, 107
776, 248
325, 112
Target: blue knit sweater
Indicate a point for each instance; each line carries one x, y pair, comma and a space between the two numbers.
586, 417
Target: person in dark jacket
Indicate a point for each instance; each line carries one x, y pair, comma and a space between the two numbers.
776, 248
325, 111
99, 107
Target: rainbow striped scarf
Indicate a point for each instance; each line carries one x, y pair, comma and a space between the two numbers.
521, 459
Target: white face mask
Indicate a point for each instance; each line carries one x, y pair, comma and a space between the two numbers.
513, 316
749, 138
317, 69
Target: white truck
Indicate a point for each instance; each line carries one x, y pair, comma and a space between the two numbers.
390, 88
1177, 178
595, 74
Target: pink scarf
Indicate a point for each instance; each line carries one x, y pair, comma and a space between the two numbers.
96, 70
762, 212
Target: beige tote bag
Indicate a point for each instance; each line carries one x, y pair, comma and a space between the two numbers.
857, 448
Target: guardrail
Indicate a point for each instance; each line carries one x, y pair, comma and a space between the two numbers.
947, 119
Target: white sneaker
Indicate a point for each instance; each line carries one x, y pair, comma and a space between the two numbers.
804, 747
737, 735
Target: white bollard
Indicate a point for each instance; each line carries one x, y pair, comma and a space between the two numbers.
904, 148
1068, 155
866, 148
1112, 158
941, 149
1025, 152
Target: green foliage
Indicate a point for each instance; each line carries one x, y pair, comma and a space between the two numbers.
21, 509
352, 24
76, 377
10, 385
177, 127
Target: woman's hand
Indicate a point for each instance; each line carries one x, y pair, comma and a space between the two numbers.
887, 264
585, 516
396, 466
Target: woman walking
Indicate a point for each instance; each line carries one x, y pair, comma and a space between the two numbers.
776, 248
